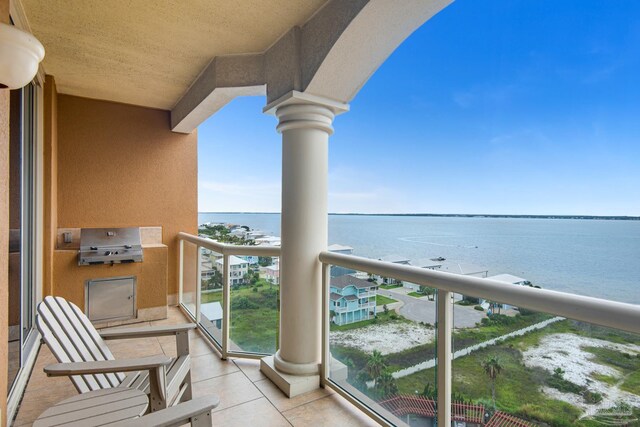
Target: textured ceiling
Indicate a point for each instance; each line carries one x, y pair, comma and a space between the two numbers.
147, 52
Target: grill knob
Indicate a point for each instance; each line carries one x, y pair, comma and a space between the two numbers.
107, 253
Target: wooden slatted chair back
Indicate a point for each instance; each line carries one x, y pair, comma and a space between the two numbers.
72, 338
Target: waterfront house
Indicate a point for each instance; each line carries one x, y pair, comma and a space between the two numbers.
206, 269
238, 269
267, 241
464, 268
394, 259
509, 279
251, 259
340, 249
422, 263
271, 273
352, 299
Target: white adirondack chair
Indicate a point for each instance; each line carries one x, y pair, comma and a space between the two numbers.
196, 412
86, 359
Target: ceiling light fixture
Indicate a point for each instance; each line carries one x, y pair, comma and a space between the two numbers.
20, 54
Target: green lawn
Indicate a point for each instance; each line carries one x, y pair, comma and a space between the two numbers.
518, 388
632, 383
390, 286
416, 294
380, 318
382, 300
255, 327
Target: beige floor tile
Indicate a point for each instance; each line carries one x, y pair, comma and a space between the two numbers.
258, 412
126, 326
129, 349
197, 346
232, 389
282, 402
209, 366
251, 369
329, 411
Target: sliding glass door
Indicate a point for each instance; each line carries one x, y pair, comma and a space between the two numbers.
22, 170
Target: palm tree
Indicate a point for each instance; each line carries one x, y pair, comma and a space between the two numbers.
492, 368
386, 384
375, 365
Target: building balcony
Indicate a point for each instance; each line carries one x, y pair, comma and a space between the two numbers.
247, 397
116, 145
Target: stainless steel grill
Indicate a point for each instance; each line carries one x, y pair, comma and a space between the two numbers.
109, 246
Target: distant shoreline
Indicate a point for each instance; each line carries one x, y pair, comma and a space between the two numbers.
592, 217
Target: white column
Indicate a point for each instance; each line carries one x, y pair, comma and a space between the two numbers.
305, 122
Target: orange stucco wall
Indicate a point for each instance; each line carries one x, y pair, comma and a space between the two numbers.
50, 181
4, 230
121, 166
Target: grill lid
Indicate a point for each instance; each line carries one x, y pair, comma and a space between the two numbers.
109, 245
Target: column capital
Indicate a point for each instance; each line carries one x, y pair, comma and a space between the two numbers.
297, 110
295, 97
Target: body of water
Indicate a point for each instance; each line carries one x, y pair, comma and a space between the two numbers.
598, 258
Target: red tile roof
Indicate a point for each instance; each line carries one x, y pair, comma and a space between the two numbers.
501, 419
403, 404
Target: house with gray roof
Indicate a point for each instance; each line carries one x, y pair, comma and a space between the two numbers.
352, 299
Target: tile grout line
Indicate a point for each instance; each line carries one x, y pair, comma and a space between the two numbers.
262, 393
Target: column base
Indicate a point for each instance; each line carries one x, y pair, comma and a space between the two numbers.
291, 385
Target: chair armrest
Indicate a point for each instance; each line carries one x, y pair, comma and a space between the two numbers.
176, 415
148, 331
106, 366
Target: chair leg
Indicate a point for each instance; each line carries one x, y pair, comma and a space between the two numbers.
188, 392
157, 389
202, 420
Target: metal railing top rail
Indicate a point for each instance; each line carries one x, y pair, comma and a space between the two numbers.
227, 249
598, 311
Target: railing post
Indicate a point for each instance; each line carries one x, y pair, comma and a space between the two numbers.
180, 271
445, 324
325, 362
226, 273
198, 283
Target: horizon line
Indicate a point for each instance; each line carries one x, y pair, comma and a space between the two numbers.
427, 214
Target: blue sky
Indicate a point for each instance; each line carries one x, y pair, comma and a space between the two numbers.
492, 106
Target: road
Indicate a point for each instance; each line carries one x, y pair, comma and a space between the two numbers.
423, 310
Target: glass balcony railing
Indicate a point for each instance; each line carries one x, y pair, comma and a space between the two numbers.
451, 350
481, 352
233, 292
371, 345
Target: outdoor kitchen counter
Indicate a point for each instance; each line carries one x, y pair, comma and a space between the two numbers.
69, 280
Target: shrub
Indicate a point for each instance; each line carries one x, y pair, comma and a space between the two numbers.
591, 396
565, 386
526, 312
242, 303
478, 307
